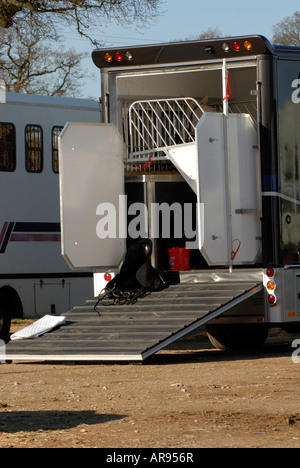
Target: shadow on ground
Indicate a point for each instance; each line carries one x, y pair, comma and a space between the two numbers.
32, 421
197, 348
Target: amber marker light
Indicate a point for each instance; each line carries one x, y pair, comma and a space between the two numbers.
248, 45
108, 57
271, 285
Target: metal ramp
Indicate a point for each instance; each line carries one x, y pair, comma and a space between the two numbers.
135, 332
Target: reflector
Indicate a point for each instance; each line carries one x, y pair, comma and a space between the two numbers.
271, 299
270, 272
129, 56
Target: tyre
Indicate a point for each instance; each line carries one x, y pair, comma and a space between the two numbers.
237, 337
5, 320
10, 307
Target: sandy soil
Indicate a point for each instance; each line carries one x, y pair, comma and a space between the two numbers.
188, 396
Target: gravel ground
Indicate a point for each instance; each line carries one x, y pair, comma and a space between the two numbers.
187, 396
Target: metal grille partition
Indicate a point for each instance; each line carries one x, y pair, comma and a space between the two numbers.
157, 125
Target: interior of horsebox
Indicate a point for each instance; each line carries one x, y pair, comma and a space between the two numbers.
160, 182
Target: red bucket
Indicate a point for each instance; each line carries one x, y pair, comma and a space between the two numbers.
179, 259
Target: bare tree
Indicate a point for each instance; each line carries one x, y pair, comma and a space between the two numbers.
287, 31
32, 66
79, 13
210, 33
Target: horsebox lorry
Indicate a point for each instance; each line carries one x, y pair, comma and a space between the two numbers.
196, 165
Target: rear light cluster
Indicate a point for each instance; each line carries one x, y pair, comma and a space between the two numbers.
237, 46
271, 285
118, 57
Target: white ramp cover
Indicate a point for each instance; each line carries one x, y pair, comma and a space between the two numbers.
38, 328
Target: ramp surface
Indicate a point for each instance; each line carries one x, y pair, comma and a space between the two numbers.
133, 332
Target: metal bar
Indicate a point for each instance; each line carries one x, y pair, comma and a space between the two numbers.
163, 125
186, 116
170, 124
225, 83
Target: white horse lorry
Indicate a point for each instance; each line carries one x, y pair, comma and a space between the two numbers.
34, 279
198, 151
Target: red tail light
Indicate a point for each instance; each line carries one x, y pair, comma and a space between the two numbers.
236, 46
119, 57
107, 277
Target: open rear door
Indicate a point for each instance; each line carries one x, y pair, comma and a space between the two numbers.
91, 189
228, 188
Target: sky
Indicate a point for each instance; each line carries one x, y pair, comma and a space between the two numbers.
180, 20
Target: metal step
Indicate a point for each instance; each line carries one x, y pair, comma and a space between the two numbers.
133, 332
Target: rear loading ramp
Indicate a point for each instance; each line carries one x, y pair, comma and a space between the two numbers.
135, 332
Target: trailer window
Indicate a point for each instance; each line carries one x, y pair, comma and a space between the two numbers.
7, 147
56, 131
34, 148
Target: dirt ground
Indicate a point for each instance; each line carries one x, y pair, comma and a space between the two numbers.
188, 396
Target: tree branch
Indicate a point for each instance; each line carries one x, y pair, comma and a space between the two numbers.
79, 13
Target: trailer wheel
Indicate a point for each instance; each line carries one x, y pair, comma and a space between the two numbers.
237, 337
5, 320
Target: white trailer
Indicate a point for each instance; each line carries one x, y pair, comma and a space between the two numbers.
203, 135
34, 279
